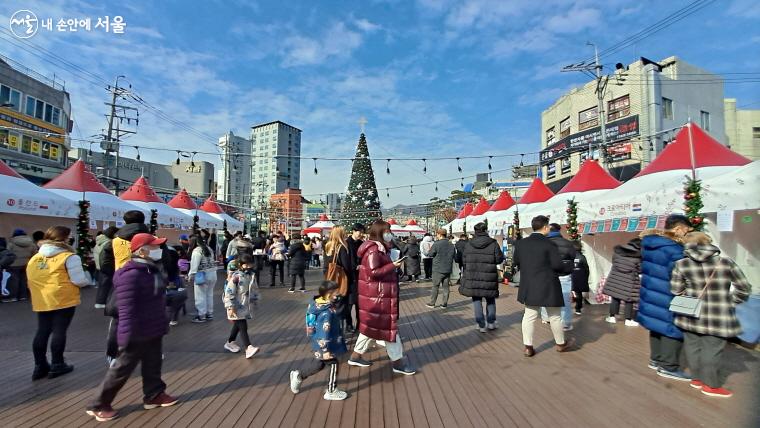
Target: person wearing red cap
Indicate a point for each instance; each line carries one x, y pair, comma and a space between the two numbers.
141, 303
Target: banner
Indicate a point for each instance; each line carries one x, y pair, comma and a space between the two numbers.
615, 131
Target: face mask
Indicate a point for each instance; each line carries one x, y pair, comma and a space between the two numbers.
156, 254
387, 237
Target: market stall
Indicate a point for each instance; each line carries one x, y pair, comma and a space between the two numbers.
396, 228
210, 206
414, 229
537, 193
457, 225
141, 195
185, 204
478, 214
500, 205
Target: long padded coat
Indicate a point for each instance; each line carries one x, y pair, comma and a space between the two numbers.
539, 261
481, 255
623, 281
378, 293
659, 254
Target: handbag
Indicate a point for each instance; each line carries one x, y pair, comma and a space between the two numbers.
690, 306
337, 274
200, 277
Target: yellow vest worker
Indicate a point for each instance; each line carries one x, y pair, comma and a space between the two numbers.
121, 252
49, 283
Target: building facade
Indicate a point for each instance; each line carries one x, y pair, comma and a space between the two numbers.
274, 164
35, 122
742, 130
234, 176
641, 101
196, 177
286, 211
334, 203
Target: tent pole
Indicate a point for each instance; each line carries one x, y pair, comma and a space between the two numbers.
691, 153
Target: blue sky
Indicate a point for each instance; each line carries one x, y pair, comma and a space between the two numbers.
433, 77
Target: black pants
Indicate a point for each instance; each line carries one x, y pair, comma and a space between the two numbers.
615, 308
578, 300
301, 279
273, 264
315, 366
240, 327
704, 352
148, 354
665, 351
105, 284
17, 283
317, 261
427, 265
55, 324
112, 346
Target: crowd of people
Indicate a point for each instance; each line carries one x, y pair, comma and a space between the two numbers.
142, 286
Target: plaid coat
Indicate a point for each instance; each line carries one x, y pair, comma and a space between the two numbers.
690, 275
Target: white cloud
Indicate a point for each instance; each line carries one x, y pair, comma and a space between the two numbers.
744, 9
366, 26
574, 21
337, 42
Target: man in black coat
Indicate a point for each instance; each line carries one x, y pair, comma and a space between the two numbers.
481, 280
539, 262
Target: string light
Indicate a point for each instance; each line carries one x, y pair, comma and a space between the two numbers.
315, 166
138, 153
411, 190
178, 152
387, 193
436, 186
192, 160
461, 182
424, 166
522, 155
89, 152
489, 163
459, 167
388, 166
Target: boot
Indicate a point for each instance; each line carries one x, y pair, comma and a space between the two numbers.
40, 371
59, 370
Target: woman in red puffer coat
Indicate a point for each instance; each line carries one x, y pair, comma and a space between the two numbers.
378, 300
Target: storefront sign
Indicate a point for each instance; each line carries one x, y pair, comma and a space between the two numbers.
565, 165
619, 152
619, 130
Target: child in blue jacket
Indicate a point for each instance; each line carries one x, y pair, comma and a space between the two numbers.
323, 328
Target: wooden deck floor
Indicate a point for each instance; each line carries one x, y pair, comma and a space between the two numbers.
465, 378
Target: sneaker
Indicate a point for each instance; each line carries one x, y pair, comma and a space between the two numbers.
696, 383
173, 323
295, 381
292, 290
250, 351
716, 392
359, 362
653, 365
491, 326
544, 321
209, 317
675, 375
631, 323
481, 329
161, 400
100, 306
302, 290
577, 312
103, 415
232, 347
198, 319
336, 395
444, 306
430, 305
57, 370
40, 372
9, 300
404, 369
567, 327
611, 320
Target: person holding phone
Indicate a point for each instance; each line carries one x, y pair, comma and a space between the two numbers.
379, 300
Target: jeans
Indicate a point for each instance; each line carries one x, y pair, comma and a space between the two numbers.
273, 264
567, 312
315, 366
615, 308
105, 283
51, 323
241, 327
427, 265
477, 305
529, 324
440, 281
17, 283
148, 354
703, 352
395, 349
665, 351
204, 298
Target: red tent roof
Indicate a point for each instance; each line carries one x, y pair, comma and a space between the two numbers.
392, 221
323, 217
210, 206
141, 191
537, 192
481, 207
466, 210
503, 202
77, 178
183, 200
707, 152
591, 176
6, 170
411, 222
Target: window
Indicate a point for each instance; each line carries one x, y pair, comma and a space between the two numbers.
588, 118
39, 109
26, 144
176, 183
4, 138
46, 149
619, 107
550, 136
29, 106
564, 128
704, 120
667, 108
756, 134
48, 113
56, 116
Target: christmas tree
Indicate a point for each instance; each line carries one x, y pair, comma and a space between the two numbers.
692, 195
361, 203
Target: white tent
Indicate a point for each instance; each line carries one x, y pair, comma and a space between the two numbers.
323, 224
212, 208
736, 189
478, 214
412, 228
183, 203
141, 195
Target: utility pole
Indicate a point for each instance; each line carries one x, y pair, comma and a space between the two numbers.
112, 138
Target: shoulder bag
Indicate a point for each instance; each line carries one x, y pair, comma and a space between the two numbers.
690, 306
337, 274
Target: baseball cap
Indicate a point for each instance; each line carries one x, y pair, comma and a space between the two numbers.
142, 239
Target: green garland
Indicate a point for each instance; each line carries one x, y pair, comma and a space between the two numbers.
692, 195
153, 221
84, 241
516, 226
572, 220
